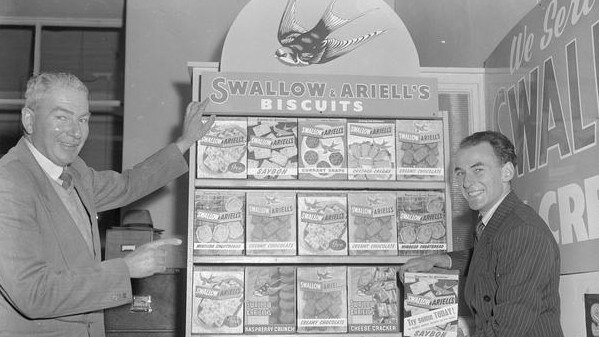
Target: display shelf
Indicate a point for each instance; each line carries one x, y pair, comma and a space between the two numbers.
349, 185
373, 109
381, 334
301, 260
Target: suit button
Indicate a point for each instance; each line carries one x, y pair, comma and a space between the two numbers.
486, 298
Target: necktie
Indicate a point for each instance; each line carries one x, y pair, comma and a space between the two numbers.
480, 226
66, 178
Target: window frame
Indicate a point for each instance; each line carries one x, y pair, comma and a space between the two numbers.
108, 106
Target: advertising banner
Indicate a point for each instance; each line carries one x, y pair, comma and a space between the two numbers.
319, 95
542, 91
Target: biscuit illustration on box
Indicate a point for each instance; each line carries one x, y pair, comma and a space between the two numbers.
219, 225
322, 227
270, 300
371, 150
421, 223
271, 223
217, 300
322, 299
322, 146
272, 148
372, 223
373, 299
222, 152
420, 150
431, 303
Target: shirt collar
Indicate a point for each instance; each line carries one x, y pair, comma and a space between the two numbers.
487, 216
51, 169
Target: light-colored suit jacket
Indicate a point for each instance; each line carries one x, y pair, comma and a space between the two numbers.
512, 282
51, 284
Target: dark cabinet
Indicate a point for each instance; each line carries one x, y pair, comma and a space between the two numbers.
158, 309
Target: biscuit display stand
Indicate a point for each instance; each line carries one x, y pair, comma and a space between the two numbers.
305, 196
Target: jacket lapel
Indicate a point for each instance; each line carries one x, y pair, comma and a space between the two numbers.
60, 221
86, 198
502, 212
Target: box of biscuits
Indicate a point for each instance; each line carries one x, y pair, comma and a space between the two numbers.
372, 223
422, 228
371, 150
322, 148
272, 148
321, 299
271, 223
431, 303
217, 300
219, 224
373, 299
322, 223
222, 152
270, 300
420, 150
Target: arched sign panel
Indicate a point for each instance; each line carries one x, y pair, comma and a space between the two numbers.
345, 37
542, 91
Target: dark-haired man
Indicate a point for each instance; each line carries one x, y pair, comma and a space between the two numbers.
512, 283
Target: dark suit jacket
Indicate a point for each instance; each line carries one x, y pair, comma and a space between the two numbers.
512, 283
51, 284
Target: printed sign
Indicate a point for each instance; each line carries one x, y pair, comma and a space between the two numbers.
269, 300
541, 91
321, 299
431, 303
217, 300
325, 95
373, 299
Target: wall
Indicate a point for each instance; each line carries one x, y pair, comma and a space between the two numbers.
162, 36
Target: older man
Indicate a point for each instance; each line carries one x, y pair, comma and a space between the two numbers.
52, 279
512, 284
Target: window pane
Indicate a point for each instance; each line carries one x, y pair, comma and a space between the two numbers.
10, 130
93, 55
16, 60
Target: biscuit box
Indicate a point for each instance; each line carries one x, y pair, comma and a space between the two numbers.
217, 300
272, 148
322, 148
321, 299
371, 150
373, 299
270, 300
421, 223
219, 224
420, 150
372, 223
222, 152
322, 223
431, 303
271, 223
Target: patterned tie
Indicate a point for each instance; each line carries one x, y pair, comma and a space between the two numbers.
66, 178
480, 226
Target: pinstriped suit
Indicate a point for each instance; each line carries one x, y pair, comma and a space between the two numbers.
512, 284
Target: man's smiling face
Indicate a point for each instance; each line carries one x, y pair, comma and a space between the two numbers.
482, 178
59, 125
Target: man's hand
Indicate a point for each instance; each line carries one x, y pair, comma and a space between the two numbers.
149, 259
194, 126
425, 263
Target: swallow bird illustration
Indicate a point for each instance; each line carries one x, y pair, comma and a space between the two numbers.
303, 47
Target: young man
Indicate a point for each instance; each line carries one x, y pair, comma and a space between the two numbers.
52, 279
512, 273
